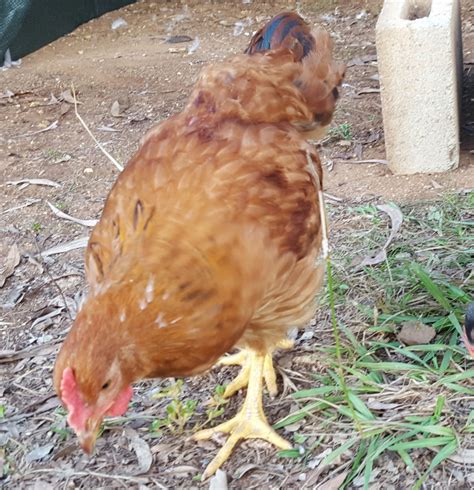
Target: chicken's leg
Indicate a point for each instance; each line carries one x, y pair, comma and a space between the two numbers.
242, 358
250, 422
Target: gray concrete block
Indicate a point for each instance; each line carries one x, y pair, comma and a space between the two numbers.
419, 52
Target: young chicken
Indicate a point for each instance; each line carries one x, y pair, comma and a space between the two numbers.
211, 238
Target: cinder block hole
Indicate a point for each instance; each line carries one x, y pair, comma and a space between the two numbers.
416, 9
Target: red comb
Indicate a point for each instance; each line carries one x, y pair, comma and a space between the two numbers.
78, 413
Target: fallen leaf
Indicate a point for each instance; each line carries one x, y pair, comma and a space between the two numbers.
243, 470
61, 214
142, 450
39, 453
53, 125
11, 263
44, 317
368, 90
38, 350
115, 110
178, 39
376, 405
28, 202
45, 182
218, 481
66, 247
416, 333
15, 296
67, 96
61, 159
396, 218
334, 483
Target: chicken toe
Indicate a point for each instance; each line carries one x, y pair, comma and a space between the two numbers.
250, 422
242, 358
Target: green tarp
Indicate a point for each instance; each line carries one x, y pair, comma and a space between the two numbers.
26, 25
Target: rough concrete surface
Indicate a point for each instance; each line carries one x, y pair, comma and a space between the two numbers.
419, 53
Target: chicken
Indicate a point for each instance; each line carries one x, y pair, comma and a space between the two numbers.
210, 239
321, 76
468, 334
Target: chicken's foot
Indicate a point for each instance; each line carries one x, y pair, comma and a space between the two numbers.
250, 422
242, 358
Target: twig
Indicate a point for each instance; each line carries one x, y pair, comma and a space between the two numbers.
52, 279
133, 479
30, 202
104, 151
373, 160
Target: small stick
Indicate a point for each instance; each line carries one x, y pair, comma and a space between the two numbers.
104, 151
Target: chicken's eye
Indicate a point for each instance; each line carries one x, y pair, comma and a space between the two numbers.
106, 385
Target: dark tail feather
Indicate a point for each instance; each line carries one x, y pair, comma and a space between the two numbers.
286, 30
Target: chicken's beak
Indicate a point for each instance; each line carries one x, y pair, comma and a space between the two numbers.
88, 437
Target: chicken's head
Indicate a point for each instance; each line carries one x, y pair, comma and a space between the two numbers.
468, 336
92, 380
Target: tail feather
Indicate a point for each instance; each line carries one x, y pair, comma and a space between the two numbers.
286, 30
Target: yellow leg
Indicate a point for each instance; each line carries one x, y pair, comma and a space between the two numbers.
242, 358
250, 422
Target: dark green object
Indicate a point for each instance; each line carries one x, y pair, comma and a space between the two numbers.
27, 25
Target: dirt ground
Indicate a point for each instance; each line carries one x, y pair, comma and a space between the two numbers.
41, 138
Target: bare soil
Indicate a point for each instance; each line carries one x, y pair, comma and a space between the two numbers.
42, 139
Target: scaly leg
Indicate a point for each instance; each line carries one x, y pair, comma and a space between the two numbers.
242, 358
250, 422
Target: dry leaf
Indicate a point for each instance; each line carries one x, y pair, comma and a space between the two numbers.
27, 203
44, 316
142, 450
53, 125
66, 247
68, 97
11, 262
218, 481
39, 453
115, 109
334, 483
179, 39
61, 214
368, 90
416, 333
396, 218
28, 182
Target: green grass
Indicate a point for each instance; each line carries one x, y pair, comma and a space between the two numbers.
381, 395
343, 131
